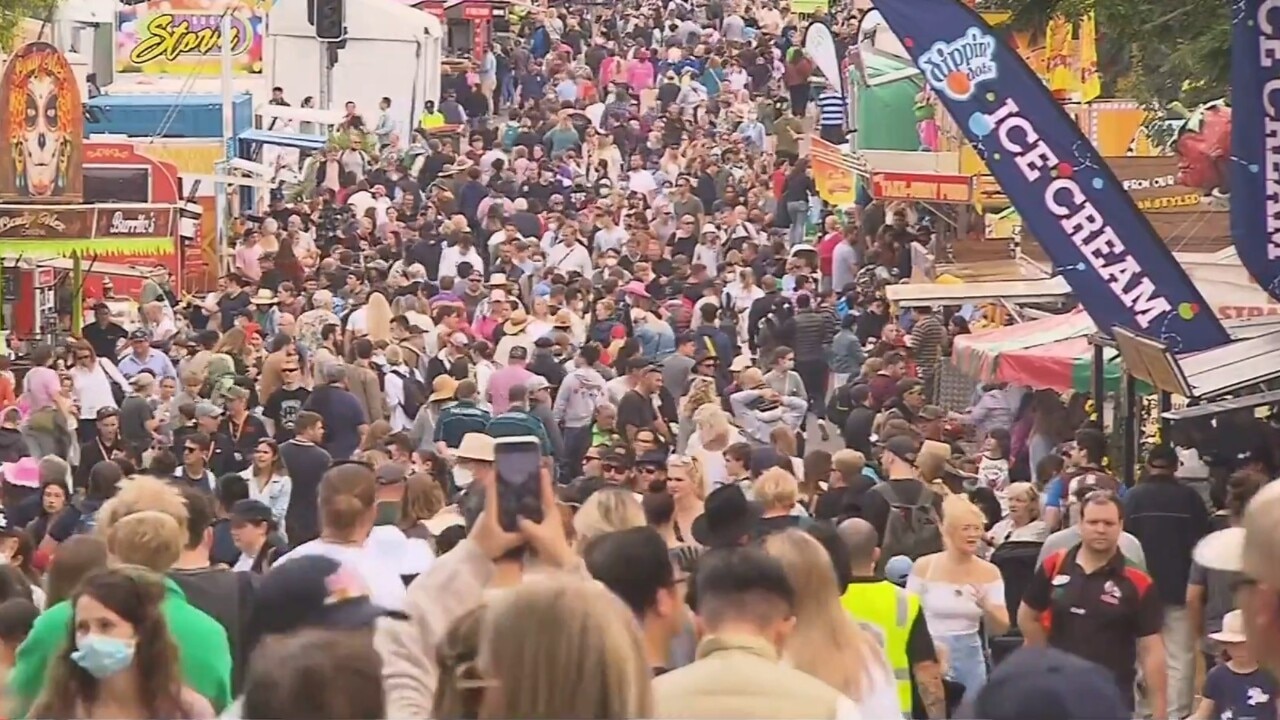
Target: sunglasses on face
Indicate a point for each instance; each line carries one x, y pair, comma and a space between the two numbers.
647, 469
610, 468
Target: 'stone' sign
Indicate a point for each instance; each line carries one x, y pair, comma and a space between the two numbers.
184, 37
921, 187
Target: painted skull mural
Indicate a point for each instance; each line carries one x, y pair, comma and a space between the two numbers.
43, 127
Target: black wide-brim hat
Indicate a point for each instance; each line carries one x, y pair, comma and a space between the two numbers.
727, 517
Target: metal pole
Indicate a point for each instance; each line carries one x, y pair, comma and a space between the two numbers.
326, 73
1132, 421
1166, 404
77, 301
228, 132
1099, 382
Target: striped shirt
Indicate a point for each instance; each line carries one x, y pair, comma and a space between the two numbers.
831, 109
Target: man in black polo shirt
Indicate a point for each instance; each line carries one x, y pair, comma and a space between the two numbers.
105, 445
102, 334
1090, 602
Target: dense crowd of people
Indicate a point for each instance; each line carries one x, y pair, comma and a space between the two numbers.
579, 402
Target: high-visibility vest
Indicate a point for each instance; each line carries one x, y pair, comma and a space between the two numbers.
892, 610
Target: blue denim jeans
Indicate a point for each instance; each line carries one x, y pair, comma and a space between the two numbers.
968, 661
799, 213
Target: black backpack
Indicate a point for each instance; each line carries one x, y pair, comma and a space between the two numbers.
415, 393
913, 529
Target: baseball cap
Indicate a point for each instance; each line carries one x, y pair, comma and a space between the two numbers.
235, 392
106, 412
312, 591
140, 335
931, 412
536, 383
142, 380
903, 447
897, 569
391, 473
652, 457
208, 409
1048, 684
1162, 456
250, 511
519, 352
616, 455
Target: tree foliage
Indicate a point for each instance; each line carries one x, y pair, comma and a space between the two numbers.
14, 12
1154, 50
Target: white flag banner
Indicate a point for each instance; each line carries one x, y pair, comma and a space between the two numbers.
821, 48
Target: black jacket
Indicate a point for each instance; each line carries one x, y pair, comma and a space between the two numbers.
857, 429
1168, 518
810, 332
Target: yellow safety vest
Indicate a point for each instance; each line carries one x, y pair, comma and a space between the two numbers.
892, 610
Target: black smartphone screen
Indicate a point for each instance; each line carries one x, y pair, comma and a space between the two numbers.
519, 491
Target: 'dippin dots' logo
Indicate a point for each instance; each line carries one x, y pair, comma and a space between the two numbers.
955, 68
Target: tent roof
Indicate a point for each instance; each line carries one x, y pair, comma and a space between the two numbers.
1015, 291
977, 354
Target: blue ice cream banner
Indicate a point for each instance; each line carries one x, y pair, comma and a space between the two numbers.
1119, 268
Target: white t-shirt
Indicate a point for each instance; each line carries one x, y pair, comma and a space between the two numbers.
383, 561
611, 238
357, 322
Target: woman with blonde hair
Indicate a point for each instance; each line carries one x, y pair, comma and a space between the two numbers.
688, 488
563, 648
234, 343
606, 511
702, 392
961, 594
1022, 522
713, 433
373, 320
827, 642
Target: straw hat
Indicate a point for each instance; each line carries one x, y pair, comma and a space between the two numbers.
519, 320
563, 320
475, 446
444, 387
264, 297
498, 280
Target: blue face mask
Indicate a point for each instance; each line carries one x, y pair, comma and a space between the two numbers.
103, 656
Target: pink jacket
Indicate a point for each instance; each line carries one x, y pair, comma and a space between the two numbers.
609, 69
639, 74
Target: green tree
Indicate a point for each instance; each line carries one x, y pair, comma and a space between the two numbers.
1153, 50
14, 12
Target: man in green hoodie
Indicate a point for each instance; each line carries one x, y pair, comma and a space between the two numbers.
203, 649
